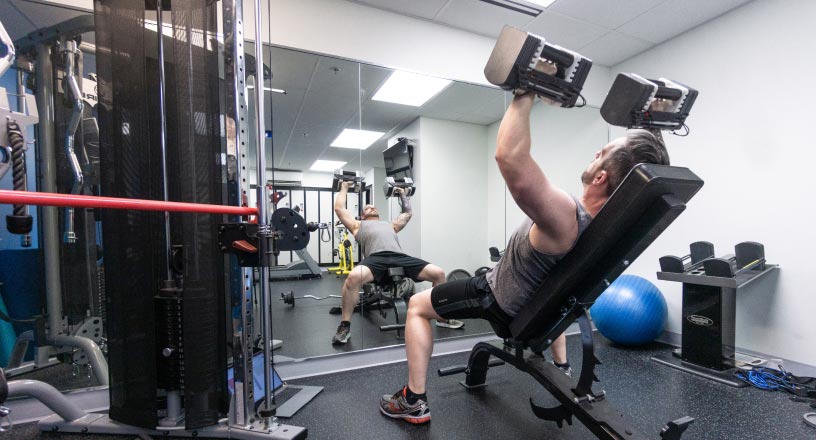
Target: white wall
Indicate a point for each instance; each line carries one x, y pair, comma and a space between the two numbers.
317, 180
409, 237
453, 185
497, 196
375, 177
752, 142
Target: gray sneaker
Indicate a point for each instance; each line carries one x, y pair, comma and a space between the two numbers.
396, 406
342, 336
567, 371
450, 323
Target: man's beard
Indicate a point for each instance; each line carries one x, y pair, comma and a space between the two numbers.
586, 178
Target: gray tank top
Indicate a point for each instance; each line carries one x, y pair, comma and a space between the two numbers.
522, 268
377, 236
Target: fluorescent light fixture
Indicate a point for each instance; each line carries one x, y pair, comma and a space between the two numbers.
327, 165
409, 88
526, 7
359, 139
542, 3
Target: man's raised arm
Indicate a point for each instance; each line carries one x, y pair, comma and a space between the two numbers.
405, 215
343, 214
551, 209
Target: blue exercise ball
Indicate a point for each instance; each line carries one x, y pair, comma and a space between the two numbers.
631, 311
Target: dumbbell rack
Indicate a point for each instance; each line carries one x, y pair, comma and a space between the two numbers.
710, 288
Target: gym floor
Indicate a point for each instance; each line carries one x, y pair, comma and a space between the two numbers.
648, 393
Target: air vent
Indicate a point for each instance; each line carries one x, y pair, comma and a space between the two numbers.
516, 6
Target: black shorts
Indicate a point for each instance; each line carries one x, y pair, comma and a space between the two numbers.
380, 262
466, 299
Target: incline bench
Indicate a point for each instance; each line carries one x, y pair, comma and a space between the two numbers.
643, 206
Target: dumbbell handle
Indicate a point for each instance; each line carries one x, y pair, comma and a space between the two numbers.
557, 56
667, 92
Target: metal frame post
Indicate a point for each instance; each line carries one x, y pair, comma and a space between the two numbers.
264, 232
48, 183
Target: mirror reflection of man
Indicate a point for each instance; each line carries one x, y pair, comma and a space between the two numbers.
381, 251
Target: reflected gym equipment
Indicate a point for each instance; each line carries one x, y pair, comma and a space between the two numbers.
306, 267
406, 183
289, 297
392, 293
358, 182
458, 274
345, 250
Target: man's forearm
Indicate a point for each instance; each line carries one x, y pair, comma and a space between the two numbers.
405, 215
405, 205
340, 199
514, 132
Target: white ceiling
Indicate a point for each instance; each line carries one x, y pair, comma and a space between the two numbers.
607, 31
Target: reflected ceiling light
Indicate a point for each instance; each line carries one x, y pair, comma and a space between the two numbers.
409, 88
327, 165
359, 139
542, 3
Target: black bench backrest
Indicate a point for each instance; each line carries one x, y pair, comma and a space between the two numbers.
643, 206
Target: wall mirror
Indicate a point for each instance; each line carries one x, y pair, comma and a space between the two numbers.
460, 207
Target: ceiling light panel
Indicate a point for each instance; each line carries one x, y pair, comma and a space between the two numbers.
409, 88
327, 165
358, 139
542, 3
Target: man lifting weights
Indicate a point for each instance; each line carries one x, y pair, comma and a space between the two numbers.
381, 251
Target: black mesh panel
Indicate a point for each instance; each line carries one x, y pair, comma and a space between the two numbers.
134, 241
